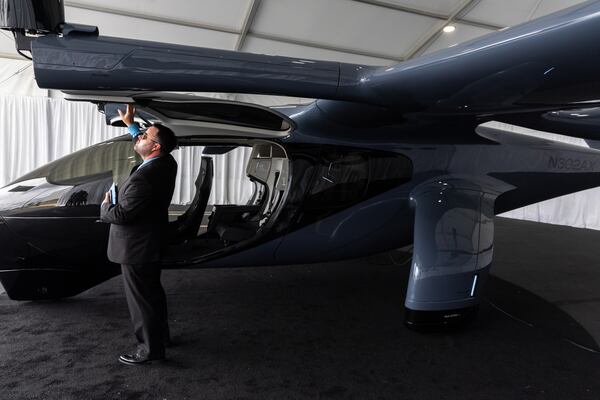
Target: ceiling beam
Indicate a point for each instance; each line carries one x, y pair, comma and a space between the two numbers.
430, 14
398, 7
421, 45
534, 9
17, 72
154, 18
248, 20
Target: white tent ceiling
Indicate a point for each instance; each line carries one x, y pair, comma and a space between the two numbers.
376, 32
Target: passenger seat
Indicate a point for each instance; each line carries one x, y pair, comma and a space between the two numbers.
187, 225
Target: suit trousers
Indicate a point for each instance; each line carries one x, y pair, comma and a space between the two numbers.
147, 307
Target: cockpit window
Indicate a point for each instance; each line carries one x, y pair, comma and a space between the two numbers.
112, 159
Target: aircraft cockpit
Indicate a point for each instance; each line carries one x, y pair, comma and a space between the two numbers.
215, 217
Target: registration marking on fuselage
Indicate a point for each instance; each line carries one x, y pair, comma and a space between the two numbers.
571, 164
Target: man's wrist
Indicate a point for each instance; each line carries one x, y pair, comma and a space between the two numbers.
134, 129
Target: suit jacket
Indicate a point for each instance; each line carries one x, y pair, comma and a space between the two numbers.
140, 218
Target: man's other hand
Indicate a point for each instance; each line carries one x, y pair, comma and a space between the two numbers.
107, 195
127, 116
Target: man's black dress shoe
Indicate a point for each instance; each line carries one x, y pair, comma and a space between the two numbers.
137, 359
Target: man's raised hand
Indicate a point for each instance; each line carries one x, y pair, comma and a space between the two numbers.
127, 116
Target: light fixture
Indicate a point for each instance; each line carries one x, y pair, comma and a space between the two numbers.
449, 28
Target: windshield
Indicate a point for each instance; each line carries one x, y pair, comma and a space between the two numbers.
114, 158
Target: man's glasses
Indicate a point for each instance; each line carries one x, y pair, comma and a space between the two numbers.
144, 136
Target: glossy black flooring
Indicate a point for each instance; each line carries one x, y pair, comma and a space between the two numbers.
329, 331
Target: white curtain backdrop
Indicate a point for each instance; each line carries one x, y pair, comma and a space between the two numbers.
230, 184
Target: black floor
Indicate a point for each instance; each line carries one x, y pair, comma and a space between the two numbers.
326, 332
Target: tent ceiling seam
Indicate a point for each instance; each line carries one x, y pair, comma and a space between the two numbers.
248, 20
425, 13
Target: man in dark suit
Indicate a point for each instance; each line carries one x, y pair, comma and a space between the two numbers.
139, 220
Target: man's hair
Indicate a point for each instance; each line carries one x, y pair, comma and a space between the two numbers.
166, 138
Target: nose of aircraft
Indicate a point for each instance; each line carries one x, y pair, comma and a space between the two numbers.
28, 273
